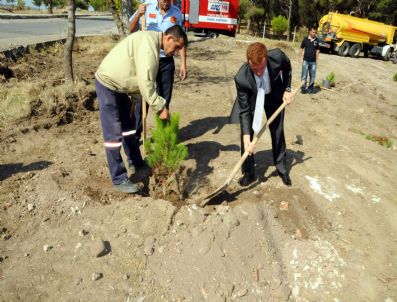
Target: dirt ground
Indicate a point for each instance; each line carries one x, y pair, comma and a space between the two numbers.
332, 236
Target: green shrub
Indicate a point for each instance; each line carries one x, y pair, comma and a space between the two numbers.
331, 78
164, 152
381, 140
255, 13
243, 6
395, 77
279, 25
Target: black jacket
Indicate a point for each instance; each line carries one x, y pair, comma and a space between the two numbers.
280, 72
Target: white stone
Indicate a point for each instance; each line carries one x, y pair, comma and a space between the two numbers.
295, 291
96, 276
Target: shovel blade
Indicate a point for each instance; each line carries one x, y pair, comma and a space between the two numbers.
208, 198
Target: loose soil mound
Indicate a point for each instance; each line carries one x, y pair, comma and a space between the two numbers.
330, 237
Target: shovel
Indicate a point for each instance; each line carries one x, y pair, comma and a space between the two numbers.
237, 167
144, 109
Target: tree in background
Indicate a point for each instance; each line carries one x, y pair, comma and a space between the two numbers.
37, 3
49, 4
279, 25
99, 5
20, 4
116, 14
289, 19
126, 7
307, 13
385, 11
363, 7
255, 16
243, 6
287, 9
68, 50
12, 2
83, 4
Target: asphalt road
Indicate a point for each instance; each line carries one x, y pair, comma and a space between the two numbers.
17, 32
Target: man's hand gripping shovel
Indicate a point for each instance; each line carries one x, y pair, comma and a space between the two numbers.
237, 167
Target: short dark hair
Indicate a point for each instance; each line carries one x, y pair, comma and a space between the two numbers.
312, 28
177, 32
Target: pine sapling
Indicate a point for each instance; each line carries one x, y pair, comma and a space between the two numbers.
164, 152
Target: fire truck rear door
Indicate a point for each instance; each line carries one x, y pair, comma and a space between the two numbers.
194, 11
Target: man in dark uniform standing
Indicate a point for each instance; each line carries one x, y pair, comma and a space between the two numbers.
262, 83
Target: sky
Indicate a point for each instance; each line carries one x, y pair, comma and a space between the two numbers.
29, 3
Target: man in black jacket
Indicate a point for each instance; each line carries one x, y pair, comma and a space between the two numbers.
262, 83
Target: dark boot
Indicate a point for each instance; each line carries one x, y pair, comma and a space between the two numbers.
246, 180
286, 179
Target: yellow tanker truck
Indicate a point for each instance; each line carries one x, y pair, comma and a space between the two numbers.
348, 35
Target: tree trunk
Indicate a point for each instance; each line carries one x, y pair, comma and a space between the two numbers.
126, 12
50, 7
68, 50
117, 19
289, 20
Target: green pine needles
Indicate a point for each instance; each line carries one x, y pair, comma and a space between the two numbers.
164, 152
331, 78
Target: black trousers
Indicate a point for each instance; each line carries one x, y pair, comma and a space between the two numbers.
164, 86
118, 130
278, 144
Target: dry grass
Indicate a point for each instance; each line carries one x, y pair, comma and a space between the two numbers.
95, 46
14, 101
26, 99
37, 88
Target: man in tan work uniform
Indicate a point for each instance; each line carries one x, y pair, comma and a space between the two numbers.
131, 68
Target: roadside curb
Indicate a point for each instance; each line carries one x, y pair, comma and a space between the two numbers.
19, 51
46, 16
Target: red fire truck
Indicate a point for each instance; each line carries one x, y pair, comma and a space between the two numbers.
210, 17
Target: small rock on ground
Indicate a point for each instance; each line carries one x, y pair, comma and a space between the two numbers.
149, 246
47, 247
31, 207
96, 276
98, 248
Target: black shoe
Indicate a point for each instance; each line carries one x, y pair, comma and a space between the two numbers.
303, 91
286, 179
126, 186
246, 180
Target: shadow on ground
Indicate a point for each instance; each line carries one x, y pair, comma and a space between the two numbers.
203, 153
7, 170
264, 160
199, 127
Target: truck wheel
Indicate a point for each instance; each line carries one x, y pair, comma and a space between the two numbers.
387, 56
355, 50
213, 35
344, 49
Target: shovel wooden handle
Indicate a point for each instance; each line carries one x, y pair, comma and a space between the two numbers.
237, 167
144, 109
257, 136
